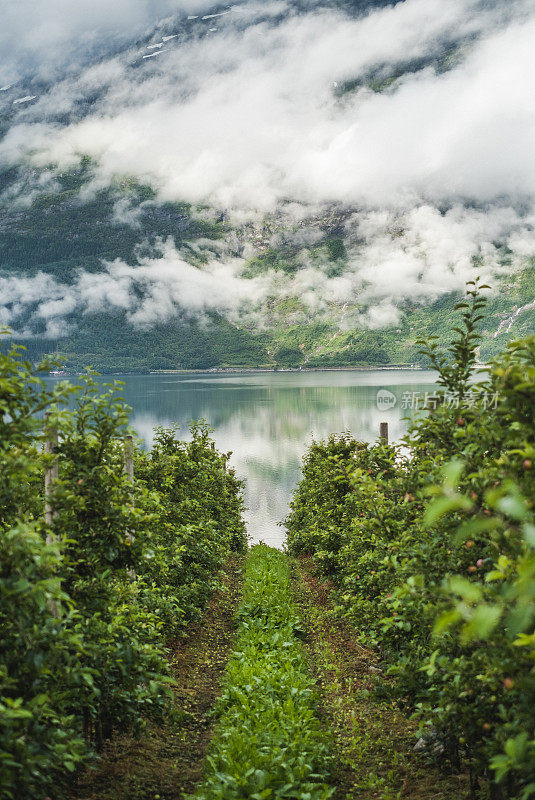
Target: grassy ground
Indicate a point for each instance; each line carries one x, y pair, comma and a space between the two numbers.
268, 743
373, 740
167, 761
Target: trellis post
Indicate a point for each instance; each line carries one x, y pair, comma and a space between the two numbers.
51, 476
129, 457
129, 470
51, 473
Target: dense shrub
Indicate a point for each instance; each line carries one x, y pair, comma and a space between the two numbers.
90, 601
432, 547
40, 741
199, 521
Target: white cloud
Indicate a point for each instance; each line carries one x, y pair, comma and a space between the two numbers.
416, 254
44, 37
422, 253
156, 290
248, 119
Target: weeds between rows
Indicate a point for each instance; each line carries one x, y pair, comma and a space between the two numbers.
268, 742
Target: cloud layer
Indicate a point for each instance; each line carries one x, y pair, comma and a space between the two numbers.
154, 291
41, 39
245, 110
247, 116
393, 256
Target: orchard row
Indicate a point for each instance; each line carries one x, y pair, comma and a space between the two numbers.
431, 547
91, 599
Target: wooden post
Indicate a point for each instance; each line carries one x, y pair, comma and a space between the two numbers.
383, 432
129, 457
51, 473
129, 470
51, 476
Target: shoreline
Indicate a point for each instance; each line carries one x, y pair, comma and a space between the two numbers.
253, 370
226, 370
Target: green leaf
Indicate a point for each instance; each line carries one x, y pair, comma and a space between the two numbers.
513, 506
445, 621
483, 622
529, 534
445, 505
469, 591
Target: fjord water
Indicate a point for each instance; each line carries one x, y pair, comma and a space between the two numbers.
267, 419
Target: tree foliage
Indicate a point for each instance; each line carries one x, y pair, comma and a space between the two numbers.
90, 602
431, 544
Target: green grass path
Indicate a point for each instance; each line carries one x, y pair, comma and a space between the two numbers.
268, 742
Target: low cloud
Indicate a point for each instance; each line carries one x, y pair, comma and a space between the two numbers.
421, 253
249, 117
158, 289
247, 112
39, 39
393, 256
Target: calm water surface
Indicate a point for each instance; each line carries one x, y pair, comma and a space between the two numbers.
268, 419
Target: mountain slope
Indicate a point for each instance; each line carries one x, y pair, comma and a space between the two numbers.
297, 184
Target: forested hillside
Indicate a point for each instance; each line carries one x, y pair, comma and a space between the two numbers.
60, 236
162, 207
